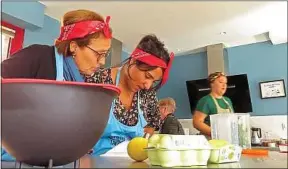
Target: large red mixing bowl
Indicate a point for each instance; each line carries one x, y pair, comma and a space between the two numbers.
45, 119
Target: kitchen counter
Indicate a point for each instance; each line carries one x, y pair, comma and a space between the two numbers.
273, 160
267, 148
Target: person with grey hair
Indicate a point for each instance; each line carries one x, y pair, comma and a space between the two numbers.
170, 124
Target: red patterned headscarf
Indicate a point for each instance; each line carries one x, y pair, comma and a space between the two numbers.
213, 76
84, 28
152, 60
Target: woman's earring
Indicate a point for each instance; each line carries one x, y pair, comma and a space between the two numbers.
73, 55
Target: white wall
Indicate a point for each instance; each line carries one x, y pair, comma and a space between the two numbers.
275, 125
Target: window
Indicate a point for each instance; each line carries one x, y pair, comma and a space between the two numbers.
7, 36
11, 40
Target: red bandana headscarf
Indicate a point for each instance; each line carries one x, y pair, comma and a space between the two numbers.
152, 60
84, 28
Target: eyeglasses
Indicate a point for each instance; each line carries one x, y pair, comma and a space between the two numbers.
100, 55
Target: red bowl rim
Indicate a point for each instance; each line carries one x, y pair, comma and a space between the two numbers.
45, 81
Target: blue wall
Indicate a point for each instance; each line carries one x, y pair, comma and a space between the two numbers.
184, 68
261, 62
39, 28
124, 55
23, 14
46, 35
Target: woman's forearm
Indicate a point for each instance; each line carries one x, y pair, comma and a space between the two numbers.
202, 127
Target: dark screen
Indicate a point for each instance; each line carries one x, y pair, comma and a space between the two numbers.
237, 90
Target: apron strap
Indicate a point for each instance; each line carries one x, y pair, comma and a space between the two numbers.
116, 84
216, 103
229, 106
219, 109
59, 66
118, 76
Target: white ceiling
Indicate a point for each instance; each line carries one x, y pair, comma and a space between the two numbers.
185, 25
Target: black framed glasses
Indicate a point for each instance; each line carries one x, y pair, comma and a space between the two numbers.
100, 55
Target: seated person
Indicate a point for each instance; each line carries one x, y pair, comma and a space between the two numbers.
170, 124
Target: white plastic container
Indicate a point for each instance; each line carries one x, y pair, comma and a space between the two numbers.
178, 150
226, 154
232, 127
186, 131
244, 130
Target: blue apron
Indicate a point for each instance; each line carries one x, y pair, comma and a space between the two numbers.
66, 69
116, 132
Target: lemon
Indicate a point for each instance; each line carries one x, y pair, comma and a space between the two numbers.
136, 149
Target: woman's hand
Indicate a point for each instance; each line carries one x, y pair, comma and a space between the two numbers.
149, 130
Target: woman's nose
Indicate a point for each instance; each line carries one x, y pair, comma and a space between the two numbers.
148, 84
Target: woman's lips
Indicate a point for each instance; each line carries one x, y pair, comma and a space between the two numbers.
138, 88
94, 69
90, 71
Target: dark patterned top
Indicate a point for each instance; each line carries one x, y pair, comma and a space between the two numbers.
148, 103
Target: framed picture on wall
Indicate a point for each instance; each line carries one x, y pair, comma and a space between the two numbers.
272, 89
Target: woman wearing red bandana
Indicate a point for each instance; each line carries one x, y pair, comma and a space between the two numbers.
84, 42
79, 51
139, 78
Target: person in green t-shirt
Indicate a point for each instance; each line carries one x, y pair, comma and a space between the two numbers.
213, 103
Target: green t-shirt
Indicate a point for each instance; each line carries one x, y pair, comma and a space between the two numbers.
206, 105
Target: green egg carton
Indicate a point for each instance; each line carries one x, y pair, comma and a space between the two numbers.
226, 154
178, 150
178, 158
178, 142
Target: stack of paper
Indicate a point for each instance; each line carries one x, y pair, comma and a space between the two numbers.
118, 151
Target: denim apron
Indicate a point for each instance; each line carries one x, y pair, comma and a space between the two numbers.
116, 132
60, 66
